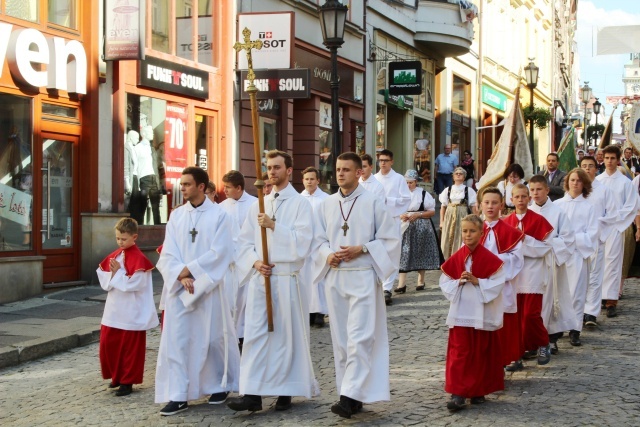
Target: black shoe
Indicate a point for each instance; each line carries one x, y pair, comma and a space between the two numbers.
218, 398
124, 390
554, 348
312, 319
356, 406
544, 355
420, 287
603, 305
574, 338
590, 321
248, 402
343, 406
478, 400
530, 354
283, 403
456, 403
387, 297
401, 290
515, 366
112, 385
173, 408
612, 311
319, 320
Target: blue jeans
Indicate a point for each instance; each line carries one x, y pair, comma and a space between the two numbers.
443, 180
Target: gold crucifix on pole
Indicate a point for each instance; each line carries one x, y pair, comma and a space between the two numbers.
252, 90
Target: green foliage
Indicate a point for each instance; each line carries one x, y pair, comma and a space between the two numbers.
591, 129
541, 116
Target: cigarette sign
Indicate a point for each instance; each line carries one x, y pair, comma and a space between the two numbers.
279, 84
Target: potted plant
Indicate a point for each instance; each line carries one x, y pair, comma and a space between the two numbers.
541, 116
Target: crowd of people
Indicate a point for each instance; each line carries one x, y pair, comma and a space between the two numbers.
529, 270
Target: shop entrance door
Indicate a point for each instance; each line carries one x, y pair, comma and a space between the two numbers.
58, 239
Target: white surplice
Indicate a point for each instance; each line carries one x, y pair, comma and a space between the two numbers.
277, 363
513, 262
356, 305
582, 217
397, 199
236, 294
625, 197
317, 297
478, 307
605, 211
534, 276
198, 354
557, 305
373, 185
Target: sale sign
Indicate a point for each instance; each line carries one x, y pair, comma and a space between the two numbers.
175, 151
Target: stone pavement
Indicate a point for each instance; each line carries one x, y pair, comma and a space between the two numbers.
596, 384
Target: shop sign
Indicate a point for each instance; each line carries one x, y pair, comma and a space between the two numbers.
402, 102
405, 78
320, 70
278, 84
176, 78
204, 46
124, 29
15, 205
275, 31
175, 150
494, 98
64, 63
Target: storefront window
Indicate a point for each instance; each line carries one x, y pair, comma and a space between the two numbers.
63, 13
184, 29
205, 33
155, 153
422, 148
268, 138
16, 174
326, 145
459, 94
160, 26
23, 9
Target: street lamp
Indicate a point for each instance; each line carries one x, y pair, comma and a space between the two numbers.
587, 122
596, 110
333, 15
585, 94
531, 74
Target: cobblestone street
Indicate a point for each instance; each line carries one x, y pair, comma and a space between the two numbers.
596, 384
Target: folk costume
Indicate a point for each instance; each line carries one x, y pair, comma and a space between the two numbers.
474, 363
458, 201
198, 354
356, 305
420, 249
506, 243
128, 313
277, 363
534, 277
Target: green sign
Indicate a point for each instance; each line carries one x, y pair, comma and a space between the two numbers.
403, 102
494, 98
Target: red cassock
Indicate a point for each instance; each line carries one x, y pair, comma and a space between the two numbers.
473, 365
534, 334
122, 352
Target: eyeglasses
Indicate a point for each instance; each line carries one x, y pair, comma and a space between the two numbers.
384, 160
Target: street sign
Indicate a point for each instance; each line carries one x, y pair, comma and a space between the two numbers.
279, 84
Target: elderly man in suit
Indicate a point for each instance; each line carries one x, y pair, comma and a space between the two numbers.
555, 177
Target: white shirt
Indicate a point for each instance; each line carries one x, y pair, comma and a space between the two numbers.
604, 207
145, 159
396, 192
373, 185
314, 199
416, 200
238, 209
457, 195
625, 197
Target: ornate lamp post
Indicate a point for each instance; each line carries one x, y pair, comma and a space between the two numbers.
597, 106
333, 16
587, 122
585, 95
531, 75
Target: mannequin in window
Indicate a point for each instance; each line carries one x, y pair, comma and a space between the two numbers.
131, 186
146, 172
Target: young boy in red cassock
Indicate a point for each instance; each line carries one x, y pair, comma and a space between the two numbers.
472, 279
129, 311
534, 277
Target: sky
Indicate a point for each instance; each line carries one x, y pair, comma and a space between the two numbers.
604, 73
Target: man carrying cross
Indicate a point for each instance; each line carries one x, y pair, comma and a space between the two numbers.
356, 246
198, 353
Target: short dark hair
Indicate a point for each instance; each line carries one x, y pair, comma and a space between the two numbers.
588, 158
514, 168
584, 178
539, 179
386, 152
612, 149
311, 169
554, 154
234, 178
200, 176
490, 190
349, 155
288, 160
127, 225
628, 148
368, 158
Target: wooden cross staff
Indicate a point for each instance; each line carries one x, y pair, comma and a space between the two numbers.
252, 90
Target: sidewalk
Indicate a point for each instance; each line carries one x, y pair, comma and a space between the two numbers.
54, 322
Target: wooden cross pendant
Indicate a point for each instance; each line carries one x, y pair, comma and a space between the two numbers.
193, 234
345, 227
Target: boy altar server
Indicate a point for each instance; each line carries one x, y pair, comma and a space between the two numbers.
557, 305
276, 363
129, 311
358, 247
506, 242
472, 279
198, 354
534, 276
